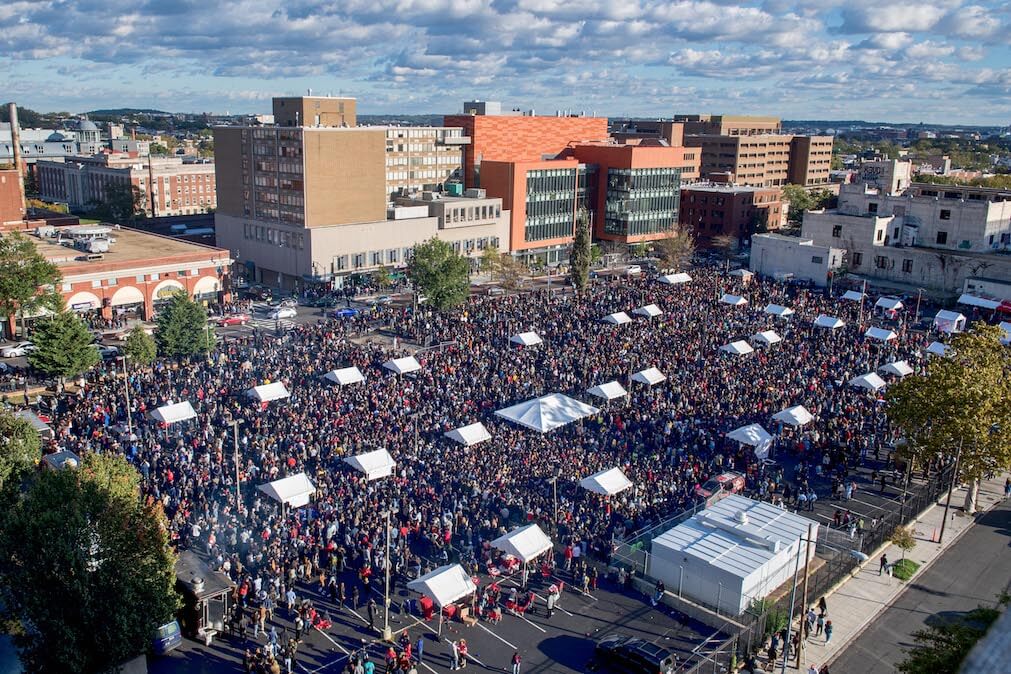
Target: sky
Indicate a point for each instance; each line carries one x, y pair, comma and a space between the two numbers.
936, 61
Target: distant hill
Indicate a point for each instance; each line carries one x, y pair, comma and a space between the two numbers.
400, 120
837, 123
126, 112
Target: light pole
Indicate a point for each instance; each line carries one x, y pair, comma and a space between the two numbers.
793, 601
235, 442
387, 632
126, 392
919, 296
951, 488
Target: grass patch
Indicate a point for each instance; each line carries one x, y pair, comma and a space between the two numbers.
904, 569
89, 221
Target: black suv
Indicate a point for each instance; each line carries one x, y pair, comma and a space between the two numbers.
631, 655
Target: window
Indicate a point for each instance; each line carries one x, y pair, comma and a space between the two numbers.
880, 262
872, 207
392, 256
377, 258
112, 282
942, 238
96, 283
837, 231
817, 259
945, 214
67, 287
879, 235
857, 259
907, 266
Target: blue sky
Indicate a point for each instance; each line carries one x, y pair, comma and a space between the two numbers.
943, 61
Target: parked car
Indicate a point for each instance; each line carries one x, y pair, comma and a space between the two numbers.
259, 293
495, 290
17, 349
166, 638
632, 270
382, 299
107, 352
283, 312
324, 302
722, 485
285, 302
631, 655
233, 319
346, 312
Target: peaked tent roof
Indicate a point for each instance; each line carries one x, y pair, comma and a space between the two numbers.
617, 318
526, 339
268, 392
375, 464
293, 490
547, 413
444, 585
880, 334
174, 412
675, 279
870, 381
752, 434
608, 390
607, 482
981, 302
345, 376
899, 368
949, 321
938, 349
1006, 327
650, 376
738, 348
767, 337
852, 295
779, 310
403, 365
889, 303
471, 434
830, 322
794, 416
525, 543
649, 311
743, 273
734, 300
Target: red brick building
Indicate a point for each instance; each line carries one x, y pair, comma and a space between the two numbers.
717, 209
519, 138
12, 208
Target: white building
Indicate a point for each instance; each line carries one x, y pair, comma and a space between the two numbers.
792, 257
732, 553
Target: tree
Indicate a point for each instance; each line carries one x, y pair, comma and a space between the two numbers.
63, 346
27, 279
725, 246
158, 150
440, 273
119, 203
19, 449
676, 247
902, 538
941, 649
182, 328
596, 254
140, 347
382, 278
86, 572
511, 271
801, 200
579, 259
490, 260
961, 408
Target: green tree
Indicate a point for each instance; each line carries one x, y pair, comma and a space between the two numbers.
596, 254
800, 201
490, 260
382, 278
63, 346
579, 259
27, 279
86, 571
961, 408
902, 538
511, 271
158, 150
120, 203
140, 347
676, 247
941, 649
182, 328
19, 449
440, 273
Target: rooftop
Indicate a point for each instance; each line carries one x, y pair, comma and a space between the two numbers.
724, 187
131, 246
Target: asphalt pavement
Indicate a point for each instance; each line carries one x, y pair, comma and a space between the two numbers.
969, 574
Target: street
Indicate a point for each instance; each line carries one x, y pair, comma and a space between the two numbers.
969, 574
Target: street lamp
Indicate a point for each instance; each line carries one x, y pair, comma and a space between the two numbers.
126, 392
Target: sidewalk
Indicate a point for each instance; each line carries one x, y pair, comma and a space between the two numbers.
856, 601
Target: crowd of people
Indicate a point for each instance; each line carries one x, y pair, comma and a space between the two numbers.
448, 500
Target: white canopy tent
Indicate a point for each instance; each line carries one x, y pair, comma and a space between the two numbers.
949, 321
375, 464
469, 435
607, 482
525, 544
293, 491
526, 339
738, 348
870, 381
852, 296
403, 365
675, 279
733, 300
174, 412
755, 436
880, 334
345, 376
1006, 327
981, 302
269, 392
938, 349
649, 311
779, 310
899, 368
444, 586
889, 303
766, 338
618, 318
794, 416
608, 390
830, 322
743, 273
547, 413
650, 376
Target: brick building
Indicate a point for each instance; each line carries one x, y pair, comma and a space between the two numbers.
715, 209
12, 207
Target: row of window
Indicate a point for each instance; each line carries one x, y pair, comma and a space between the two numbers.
276, 237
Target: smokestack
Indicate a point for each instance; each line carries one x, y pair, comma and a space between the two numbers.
12, 110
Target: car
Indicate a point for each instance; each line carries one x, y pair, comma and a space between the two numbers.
240, 283
166, 638
259, 293
495, 290
632, 655
283, 312
107, 352
325, 302
346, 312
632, 270
722, 485
233, 319
17, 349
382, 299
290, 302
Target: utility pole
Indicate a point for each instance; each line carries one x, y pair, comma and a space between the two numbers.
793, 602
12, 112
387, 632
126, 392
919, 296
235, 441
951, 488
807, 566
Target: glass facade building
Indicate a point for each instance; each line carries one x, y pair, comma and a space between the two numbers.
550, 204
642, 200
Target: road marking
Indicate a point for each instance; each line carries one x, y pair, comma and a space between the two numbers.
497, 636
524, 619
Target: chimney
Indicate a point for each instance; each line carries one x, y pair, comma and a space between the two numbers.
12, 110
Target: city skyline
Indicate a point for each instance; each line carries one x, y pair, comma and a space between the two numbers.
941, 61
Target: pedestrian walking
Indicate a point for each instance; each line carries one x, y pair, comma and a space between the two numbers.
1007, 488
822, 606
812, 670
461, 648
551, 604
516, 662
371, 606
828, 631
883, 565
420, 647
454, 652
821, 625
